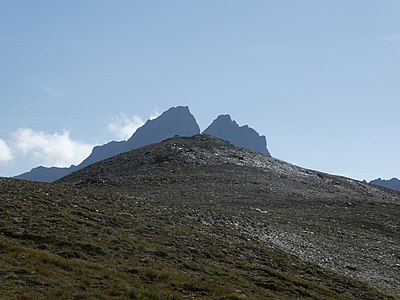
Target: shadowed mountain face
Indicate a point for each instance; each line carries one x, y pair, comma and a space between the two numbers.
44, 174
175, 121
196, 217
241, 136
392, 184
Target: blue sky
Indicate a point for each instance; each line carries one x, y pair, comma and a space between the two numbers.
319, 78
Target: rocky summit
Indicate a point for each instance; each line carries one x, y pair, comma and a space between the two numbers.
176, 121
241, 136
196, 217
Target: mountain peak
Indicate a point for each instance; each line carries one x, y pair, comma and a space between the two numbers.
224, 118
241, 136
175, 121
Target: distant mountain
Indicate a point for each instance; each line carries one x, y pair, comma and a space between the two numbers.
44, 174
241, 136
393, 184
174, 121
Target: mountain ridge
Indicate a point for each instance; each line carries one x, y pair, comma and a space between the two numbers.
174, 121
392, 184
241, 136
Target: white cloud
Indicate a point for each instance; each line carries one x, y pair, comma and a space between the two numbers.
56, 149
5, 153
123, 127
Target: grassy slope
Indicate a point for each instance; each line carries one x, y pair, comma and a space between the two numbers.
63, 242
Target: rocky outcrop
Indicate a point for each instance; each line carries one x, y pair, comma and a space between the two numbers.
392, 184
241, 136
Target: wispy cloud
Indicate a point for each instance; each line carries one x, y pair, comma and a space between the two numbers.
392, 37
262, 50
155, 114
123, 126
56, 149
46, 87
49, 91
5, 153
107, 76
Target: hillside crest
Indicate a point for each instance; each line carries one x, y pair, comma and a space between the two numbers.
176, 121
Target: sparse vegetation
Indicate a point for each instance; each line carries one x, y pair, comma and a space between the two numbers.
181, 230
